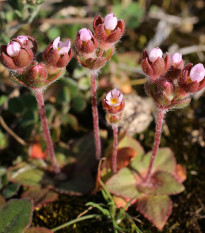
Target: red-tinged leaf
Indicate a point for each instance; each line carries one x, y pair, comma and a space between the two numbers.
181, 103
40, 196
122, 202
36, 152
123, 184
156, 209
132, 143
162, 183
119, 202
164, 161
180, 173
2, 201
38, 230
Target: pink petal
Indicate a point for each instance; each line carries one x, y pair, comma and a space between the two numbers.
85, 34
13, 49
56, 42
110, 22
154, 54
23, 39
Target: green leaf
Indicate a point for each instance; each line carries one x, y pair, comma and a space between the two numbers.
10, 190
79, 103
63, 95
163, 184
27, 174
73, 86
155, 208
69, 119
15, 105
29, 101
38, 230
123, 184
3, 140
15, 216
2, 99
131, 142
164, 161
29, 118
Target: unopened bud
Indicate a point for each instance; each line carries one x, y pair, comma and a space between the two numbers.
154, 54
177, 58
13, 48
85, 34
197, 73
110, 22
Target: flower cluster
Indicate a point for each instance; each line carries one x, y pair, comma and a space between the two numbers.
35, 72
170, 83
113, 105
95, 49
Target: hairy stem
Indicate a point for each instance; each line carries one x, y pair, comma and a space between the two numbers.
95, 115
158, 132
114, 155
47, 135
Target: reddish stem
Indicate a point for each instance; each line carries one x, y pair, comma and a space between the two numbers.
114, 155
158, 132
95, 115
47, 136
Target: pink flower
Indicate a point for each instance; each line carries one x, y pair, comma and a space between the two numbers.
13, 48
177, 58
114, 98
85, 34
110, 22
197, 72
62, 47
154, 54
23, 39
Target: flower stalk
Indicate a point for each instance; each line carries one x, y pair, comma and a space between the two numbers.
95, 115
158, 132
46, 131
115, 142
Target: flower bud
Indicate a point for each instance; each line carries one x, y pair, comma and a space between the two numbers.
154, 54
85, 34
58, 53
85, 42
192, 79
197, 73
177, 58
113, 103
110, 22
13, 49
108, 31
154, 64
16, 56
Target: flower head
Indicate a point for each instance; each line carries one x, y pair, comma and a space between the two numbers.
58, 53
197, 73
114, 98
113, 103
110, 22
62, 47
154, 54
